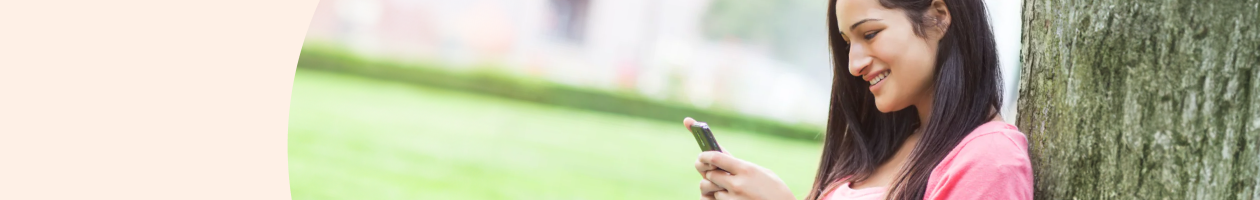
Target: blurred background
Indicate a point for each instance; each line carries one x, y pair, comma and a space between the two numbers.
562, 99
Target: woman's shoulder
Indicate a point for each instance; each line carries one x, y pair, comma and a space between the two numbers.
994, 142
993, 157
994, 134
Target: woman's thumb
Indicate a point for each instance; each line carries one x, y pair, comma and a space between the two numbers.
687, 122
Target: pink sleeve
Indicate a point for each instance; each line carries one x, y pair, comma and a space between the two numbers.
992, 165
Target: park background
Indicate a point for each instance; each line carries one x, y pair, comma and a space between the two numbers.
562, 99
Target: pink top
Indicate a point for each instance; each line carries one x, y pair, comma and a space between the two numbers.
990, 163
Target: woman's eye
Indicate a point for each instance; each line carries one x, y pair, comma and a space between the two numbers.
870, 35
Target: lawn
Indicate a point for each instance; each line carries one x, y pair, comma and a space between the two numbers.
360, 138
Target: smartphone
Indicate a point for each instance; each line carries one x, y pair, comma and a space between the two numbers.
704, 137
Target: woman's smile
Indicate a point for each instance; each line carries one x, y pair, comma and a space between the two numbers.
877, 80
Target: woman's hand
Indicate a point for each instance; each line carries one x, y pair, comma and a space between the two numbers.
727, 177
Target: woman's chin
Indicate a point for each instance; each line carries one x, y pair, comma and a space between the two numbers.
886, 107
883, 108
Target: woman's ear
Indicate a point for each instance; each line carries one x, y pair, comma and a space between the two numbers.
938, 18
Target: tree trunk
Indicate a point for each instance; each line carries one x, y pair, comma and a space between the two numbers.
1142, 99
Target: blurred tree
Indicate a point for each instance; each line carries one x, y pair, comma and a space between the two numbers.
570, 19
1142, 99
747, 20
794, 30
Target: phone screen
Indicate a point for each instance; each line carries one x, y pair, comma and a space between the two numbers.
704, 137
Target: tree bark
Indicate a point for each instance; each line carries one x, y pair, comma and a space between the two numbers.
1142, 99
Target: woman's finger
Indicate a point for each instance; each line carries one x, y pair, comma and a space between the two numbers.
687, 122
723, 161
723, 195
724, 180
707, 188
702, 167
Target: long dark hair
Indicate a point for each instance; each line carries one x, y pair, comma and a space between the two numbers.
860, 138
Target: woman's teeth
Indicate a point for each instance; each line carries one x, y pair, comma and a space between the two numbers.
879, 78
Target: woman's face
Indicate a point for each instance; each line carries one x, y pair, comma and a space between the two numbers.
885, 51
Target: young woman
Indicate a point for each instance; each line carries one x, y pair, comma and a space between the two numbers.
914, 112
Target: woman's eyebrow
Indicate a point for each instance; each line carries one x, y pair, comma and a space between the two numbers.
855, 25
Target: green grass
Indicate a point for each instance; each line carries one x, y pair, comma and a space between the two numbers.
483, 79
360, 138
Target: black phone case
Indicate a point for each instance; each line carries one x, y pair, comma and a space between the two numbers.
704, 137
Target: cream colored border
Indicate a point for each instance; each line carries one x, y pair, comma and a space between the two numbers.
147, 99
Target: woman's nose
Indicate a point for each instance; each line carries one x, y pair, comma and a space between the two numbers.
858, 60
